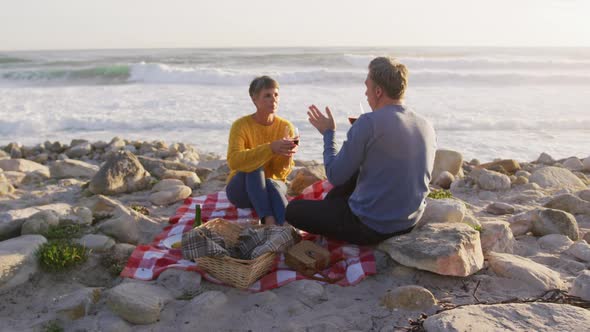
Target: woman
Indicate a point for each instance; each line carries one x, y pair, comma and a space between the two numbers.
259, 155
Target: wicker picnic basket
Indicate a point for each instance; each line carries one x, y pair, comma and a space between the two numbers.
238, 273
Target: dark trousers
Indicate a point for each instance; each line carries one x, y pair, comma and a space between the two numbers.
333, 218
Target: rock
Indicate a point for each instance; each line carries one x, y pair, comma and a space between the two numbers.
77, 304
550, 221
208, 300
586, 164
99, 145
587, 237
22, 165
411, 297
584, 194
522, 223
305, 177
569, 203
496, 236
121, 173
447, 249
11, 221
4, 155
444, 180
190, 179
157, 167
573, 164
309, 292
508, 165
490, 180
79, 150
522, 173
446, 210
180, 282
137, 303
70, 168
170, 195
556, 177
167, 184
581, 286
18, 261
36, 177
580, 250
123, 224
96, 242
525, 270
80, 215
40, 222
5, 186
520, 180
14, 178
485, 195
555, 243
539, 317
447, 160
545, 159
499, 208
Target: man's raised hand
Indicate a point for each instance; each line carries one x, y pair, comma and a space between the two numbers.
320, 121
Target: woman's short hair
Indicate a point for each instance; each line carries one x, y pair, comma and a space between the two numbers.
260, 83
390, 75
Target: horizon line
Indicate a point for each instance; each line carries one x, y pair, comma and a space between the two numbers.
299, 46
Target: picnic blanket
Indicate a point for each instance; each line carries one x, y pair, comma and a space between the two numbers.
353, 262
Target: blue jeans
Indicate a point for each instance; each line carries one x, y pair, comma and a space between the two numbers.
251, 190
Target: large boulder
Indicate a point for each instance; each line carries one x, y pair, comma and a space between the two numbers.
22, 165
550, 221
18, 261
121, 173
573, 164
447, 249
157, 167
446, 160
545, 159
78, 304
586, 164
11, 221
580, 250
539, 317
70, 168
138, 303
525, 270
569, 203
556, 177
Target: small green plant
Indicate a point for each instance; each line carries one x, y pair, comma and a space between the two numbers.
141, 209
53, 326
478, 228
67, 231
60, 255
440, 194
113, 264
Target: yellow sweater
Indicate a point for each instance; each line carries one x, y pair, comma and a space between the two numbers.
249, 148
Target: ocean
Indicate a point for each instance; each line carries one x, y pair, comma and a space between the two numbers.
486, 103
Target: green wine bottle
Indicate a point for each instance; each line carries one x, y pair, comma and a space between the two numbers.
198, 220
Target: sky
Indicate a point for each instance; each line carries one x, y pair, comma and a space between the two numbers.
86, 24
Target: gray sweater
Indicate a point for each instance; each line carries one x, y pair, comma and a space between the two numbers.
393, 149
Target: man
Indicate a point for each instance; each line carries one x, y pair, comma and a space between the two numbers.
382, 171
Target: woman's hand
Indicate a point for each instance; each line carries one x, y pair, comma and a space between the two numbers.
320, 121
284, 147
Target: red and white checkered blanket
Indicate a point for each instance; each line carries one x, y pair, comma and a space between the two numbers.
354, 263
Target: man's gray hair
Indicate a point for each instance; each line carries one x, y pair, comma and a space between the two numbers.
390, 75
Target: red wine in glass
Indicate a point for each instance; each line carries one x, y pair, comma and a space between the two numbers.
296, 136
